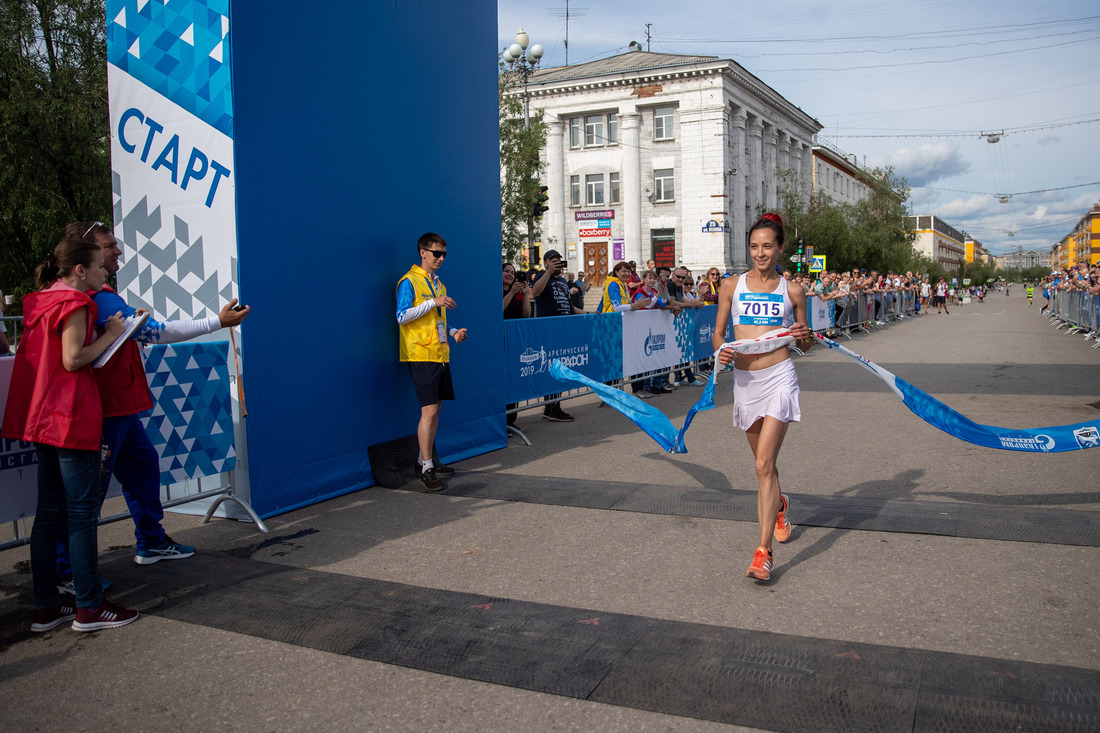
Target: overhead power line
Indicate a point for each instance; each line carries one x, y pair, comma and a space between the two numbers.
946, 33
1003, 195
925, 62
849, 52
1008, 131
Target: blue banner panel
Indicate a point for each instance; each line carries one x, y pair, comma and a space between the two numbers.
591, 345
339, 170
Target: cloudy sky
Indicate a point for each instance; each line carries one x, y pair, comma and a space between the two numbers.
913, 85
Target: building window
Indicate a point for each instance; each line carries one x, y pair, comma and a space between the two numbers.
613, 184
612, 129
574, 132
662, 123
593, 184
663, 187
574, 190
593, 130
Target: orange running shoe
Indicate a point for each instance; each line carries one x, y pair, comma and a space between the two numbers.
782, 524
761, 567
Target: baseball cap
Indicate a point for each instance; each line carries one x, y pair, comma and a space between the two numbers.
551, 255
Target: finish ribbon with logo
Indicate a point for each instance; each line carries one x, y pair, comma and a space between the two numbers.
656, 425
1044, 440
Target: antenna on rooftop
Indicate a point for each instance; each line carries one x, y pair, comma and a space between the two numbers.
575, 12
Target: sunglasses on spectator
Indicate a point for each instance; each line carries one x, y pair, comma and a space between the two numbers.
436, 253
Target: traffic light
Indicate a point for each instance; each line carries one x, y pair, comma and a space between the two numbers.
540, 203
799, 253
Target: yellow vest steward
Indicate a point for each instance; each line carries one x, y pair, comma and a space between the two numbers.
420, 337
624, 291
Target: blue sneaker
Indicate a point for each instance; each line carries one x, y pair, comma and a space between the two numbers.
168, 550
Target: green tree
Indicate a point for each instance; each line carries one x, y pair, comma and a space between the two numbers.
878, 223
520, 167
54, 137
814, 218
870, 233
979, 272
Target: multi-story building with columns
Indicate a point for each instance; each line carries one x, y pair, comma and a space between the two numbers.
664, 157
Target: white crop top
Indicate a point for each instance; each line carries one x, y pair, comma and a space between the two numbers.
762, 309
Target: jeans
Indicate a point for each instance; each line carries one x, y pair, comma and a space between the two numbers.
131, 457
128, 454
68, 489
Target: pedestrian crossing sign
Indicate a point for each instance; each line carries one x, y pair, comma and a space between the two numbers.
818, 263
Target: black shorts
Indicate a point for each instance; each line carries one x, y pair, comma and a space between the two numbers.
432, 381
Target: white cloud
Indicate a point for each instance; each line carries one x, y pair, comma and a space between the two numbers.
926, 164
1049, 139
974, 207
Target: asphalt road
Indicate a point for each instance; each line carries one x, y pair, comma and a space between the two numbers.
987, 599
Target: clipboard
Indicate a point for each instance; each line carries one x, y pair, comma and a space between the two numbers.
133, 323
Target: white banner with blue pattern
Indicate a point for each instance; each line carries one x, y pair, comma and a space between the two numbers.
172, 154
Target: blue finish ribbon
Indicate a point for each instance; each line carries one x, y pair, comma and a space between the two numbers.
1043, 440
657, 426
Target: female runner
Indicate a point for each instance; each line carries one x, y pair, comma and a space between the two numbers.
765, 389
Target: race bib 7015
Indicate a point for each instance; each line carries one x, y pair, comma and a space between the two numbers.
760, 309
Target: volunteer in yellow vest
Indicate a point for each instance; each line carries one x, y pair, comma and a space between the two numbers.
616, 295
422, 305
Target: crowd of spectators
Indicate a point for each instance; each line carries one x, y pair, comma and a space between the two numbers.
696, 292
1083, 278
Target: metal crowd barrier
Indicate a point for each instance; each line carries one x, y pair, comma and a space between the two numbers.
1077, 312
860, 313
223, 492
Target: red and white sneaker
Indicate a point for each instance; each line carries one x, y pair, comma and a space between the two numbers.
106, 616
782, 524
761, 567
49, 618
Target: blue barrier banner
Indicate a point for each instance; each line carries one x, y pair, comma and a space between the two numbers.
703, 330
591, 345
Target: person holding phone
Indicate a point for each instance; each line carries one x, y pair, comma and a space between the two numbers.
551, 293
128, 454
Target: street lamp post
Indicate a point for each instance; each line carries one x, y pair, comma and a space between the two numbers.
524, 61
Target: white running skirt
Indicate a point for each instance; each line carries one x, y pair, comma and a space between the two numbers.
772, 391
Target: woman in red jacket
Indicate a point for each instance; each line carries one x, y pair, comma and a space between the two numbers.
54, 403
